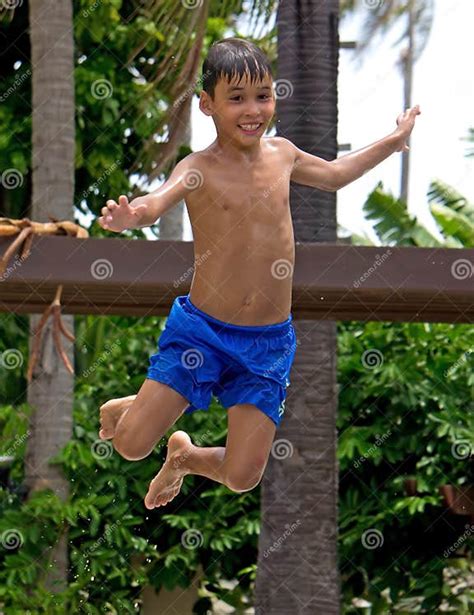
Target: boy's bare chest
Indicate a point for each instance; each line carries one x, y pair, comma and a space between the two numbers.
263, 189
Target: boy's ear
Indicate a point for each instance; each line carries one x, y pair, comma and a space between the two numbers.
205, 103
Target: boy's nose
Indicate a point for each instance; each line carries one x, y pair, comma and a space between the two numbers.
251, 111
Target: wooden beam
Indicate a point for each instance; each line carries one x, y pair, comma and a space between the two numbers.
331, 281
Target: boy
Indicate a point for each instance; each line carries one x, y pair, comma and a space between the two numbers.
232, 336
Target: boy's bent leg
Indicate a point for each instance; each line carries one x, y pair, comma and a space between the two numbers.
150, 415
111, 412
239, 465
250, 437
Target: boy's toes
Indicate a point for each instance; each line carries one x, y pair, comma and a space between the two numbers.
150, 500
107, 427
110, 413
106, 434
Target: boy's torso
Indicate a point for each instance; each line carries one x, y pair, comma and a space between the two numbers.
243, 236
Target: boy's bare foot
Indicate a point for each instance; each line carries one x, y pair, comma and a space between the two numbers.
110, 413
167, 483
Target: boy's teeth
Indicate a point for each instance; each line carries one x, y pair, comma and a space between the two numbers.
249, 126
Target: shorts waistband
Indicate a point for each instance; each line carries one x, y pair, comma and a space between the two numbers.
271, 329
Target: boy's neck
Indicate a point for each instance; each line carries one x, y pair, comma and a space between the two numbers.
237, 151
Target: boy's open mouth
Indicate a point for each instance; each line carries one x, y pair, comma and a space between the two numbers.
250, 129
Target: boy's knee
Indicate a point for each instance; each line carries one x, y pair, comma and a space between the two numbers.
128, 448
240, 480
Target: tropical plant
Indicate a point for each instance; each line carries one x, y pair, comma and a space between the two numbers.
394, 225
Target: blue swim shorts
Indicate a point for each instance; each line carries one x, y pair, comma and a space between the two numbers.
199, 356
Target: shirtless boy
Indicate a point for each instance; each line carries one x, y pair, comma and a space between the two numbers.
232, 336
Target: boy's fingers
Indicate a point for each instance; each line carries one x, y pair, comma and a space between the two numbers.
123, 200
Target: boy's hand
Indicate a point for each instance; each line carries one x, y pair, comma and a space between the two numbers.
122, 215
405, 123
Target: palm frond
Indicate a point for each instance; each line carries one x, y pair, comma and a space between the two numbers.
454, 224
393, 224
469, 139
447, 196
386, 14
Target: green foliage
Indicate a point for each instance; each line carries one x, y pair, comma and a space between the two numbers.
116, 545
400, 415
395, 226
404, 416
406, 410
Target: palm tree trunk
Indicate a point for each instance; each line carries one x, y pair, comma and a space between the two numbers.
297, 562
51, 390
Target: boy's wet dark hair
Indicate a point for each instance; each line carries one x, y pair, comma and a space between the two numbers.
233, 57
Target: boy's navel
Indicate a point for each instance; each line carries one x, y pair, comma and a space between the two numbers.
248, 299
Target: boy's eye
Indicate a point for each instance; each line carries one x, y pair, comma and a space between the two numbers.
264, 96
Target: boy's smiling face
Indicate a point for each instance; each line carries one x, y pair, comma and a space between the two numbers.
241, 110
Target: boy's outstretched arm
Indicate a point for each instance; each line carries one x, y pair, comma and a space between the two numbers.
354, 165
330, 175
145, 210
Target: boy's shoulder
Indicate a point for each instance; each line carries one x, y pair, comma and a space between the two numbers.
207, 157
284, 145
281, 142
200, 160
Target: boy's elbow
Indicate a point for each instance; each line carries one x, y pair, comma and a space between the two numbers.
335, 182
